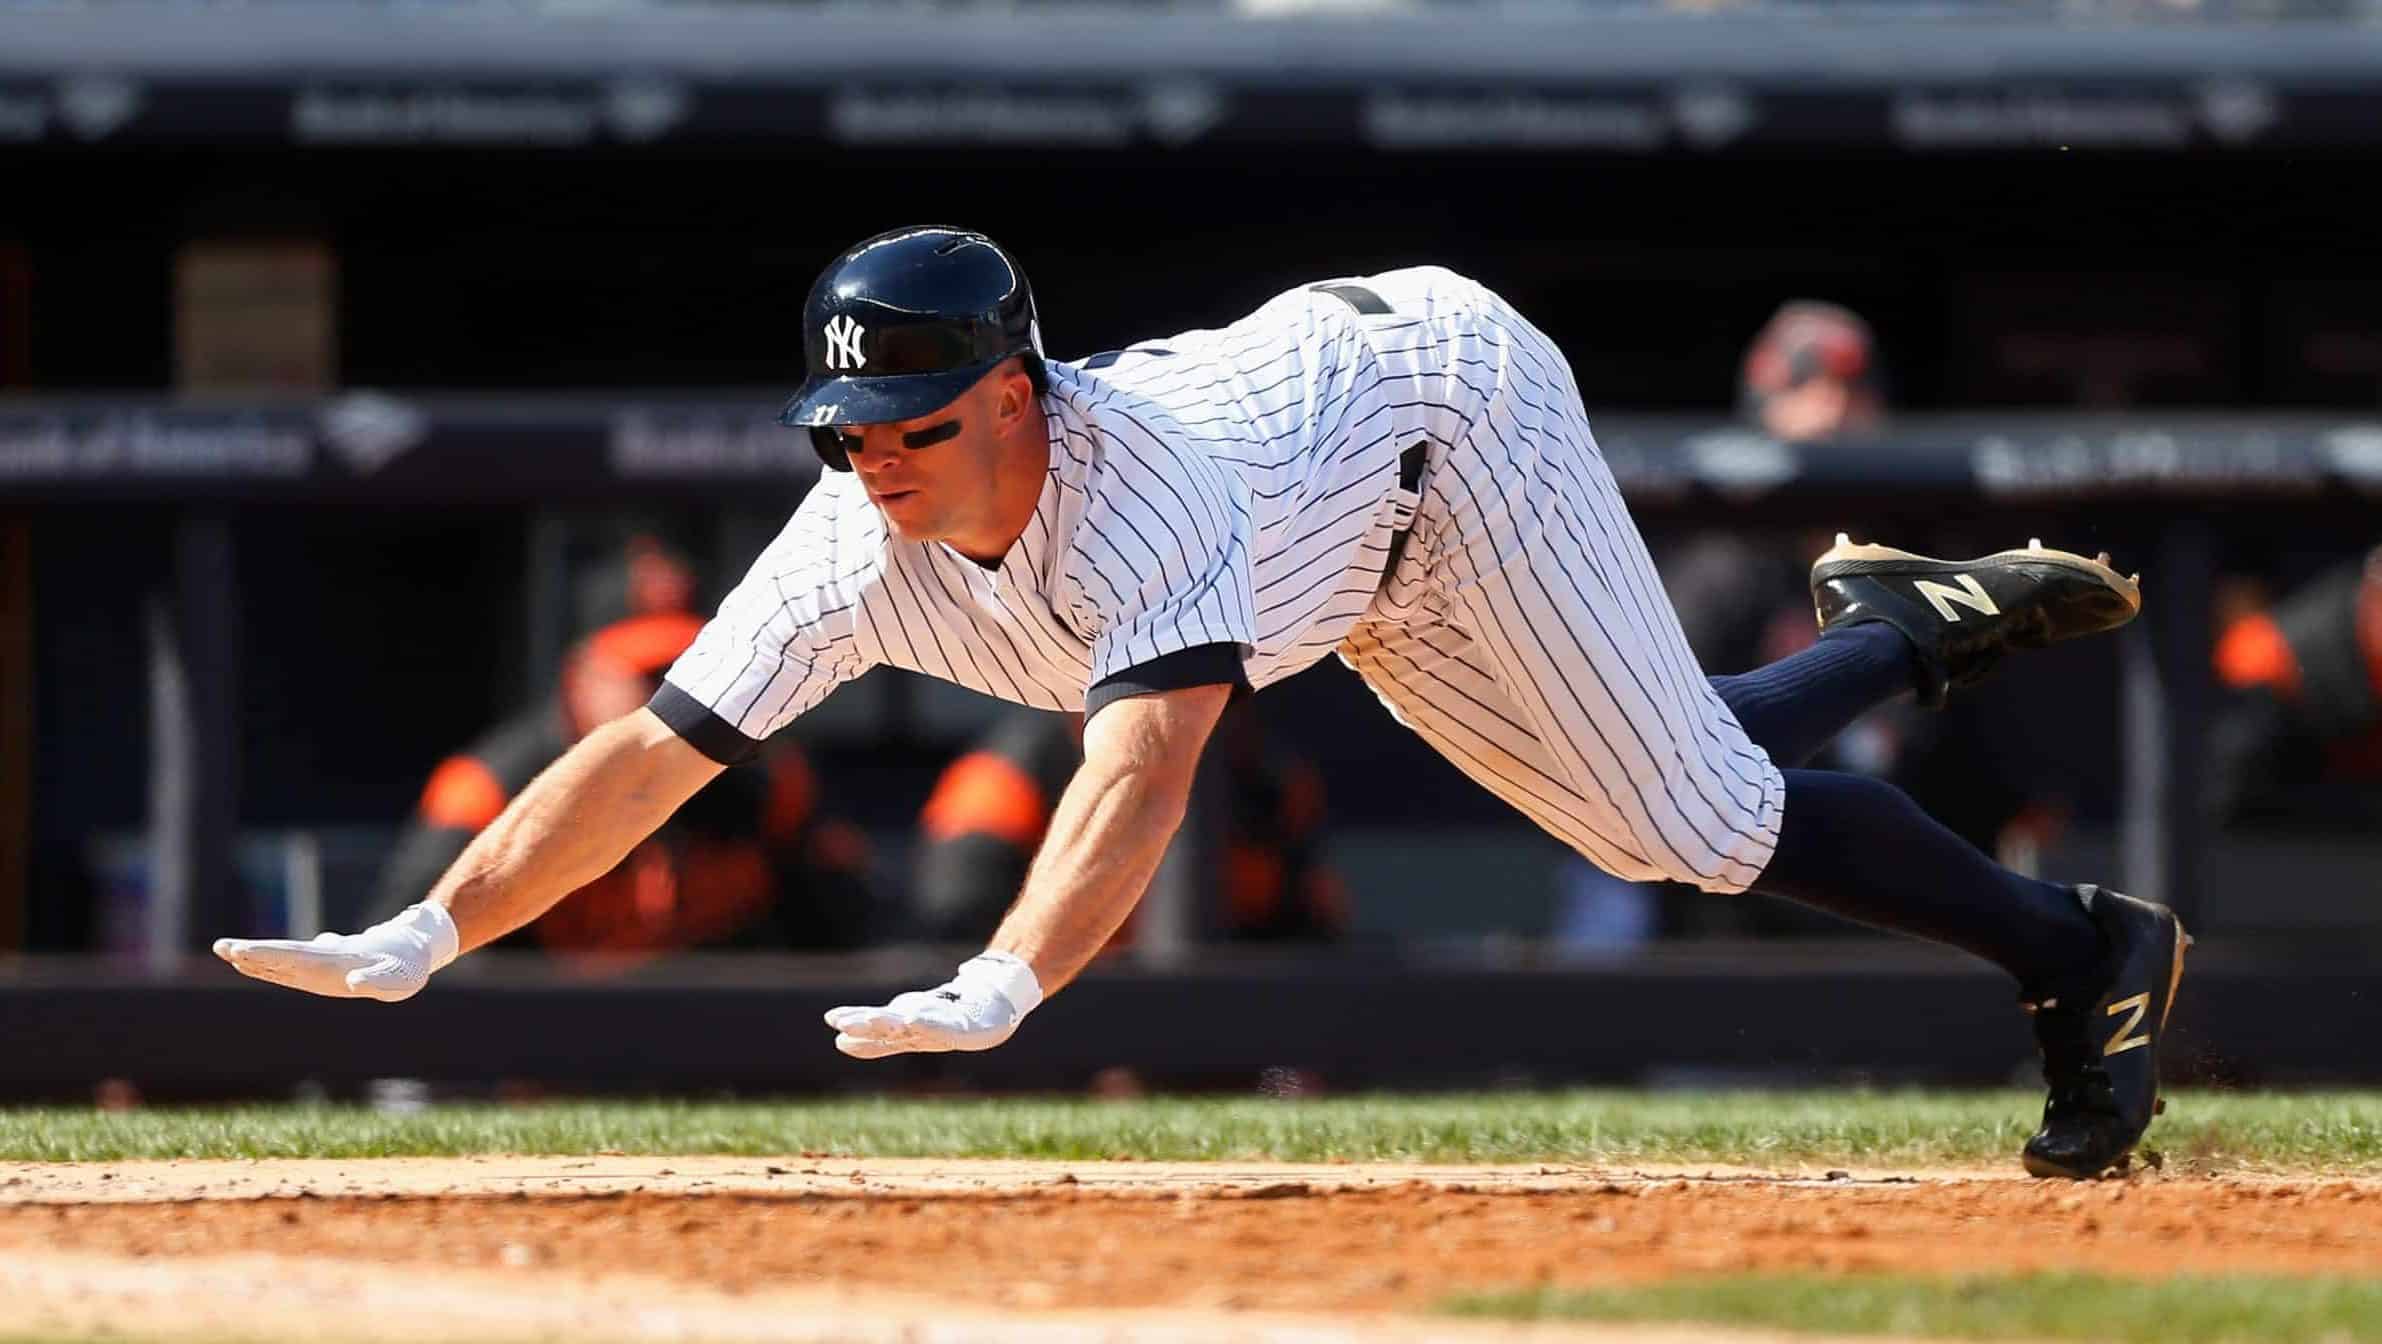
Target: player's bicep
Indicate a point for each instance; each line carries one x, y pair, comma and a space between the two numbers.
1156, 737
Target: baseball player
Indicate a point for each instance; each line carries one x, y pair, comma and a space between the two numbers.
1394, 468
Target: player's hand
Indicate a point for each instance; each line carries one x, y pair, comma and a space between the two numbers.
392, 960
976, 1009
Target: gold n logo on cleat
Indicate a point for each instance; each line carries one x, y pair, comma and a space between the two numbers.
2124, 1039
1969, 594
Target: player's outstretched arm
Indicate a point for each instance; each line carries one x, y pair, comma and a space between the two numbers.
1105, 840
572, 825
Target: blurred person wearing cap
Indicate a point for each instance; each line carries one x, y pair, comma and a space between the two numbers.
749, 862
1811, 375
992, 806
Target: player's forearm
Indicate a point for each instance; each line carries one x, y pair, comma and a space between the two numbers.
576, 821
1105, 842
1109, 831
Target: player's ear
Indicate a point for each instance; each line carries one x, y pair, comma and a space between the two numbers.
1016, 396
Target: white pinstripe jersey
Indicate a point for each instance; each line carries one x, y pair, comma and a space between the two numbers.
1231, 486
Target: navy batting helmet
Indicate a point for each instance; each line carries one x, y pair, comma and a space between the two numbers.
902, 324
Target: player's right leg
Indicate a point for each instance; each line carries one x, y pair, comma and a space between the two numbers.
2097, 970
1557, 675
1854, 846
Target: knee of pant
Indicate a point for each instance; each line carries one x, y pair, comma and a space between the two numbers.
1721, 878
1661, 864
1719, 848
1721, 886
1718, 874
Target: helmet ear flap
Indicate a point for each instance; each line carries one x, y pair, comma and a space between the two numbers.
829, 445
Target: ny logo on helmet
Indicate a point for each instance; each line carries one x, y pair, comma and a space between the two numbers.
843, 344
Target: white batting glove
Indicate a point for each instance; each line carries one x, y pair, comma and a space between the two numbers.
392, 960
976, 1010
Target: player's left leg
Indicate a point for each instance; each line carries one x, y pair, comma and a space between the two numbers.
1892, 623
1793, 707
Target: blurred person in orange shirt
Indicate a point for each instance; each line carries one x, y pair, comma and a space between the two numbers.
645, 575
990, 807
749, 862
2305, 675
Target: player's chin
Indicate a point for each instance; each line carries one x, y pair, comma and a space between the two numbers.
906, 516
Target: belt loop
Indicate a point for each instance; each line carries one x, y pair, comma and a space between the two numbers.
1410, 480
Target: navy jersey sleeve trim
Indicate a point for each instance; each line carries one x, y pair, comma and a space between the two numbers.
1199, 665
705, 731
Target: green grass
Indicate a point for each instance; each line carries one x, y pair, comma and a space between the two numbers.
2294, 1132
2185, 1310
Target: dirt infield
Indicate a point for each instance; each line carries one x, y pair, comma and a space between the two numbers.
737, 1248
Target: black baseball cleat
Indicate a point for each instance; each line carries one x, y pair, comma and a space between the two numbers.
1963, 615
2101, 1047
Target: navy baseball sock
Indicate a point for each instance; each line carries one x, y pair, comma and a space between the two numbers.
1792, 707
1860, 848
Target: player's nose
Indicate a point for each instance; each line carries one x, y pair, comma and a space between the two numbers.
869, 443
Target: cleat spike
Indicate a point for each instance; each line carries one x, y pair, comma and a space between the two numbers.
2034, 543
1843, 540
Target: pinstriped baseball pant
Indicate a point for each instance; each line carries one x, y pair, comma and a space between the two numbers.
1527, 637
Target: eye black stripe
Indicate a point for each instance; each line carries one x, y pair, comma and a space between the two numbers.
931, 435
